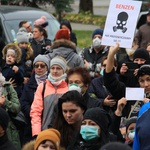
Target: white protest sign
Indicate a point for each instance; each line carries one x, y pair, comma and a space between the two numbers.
121, 23
134, 94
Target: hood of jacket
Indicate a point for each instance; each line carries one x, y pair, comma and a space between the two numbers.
29, 145
63, 43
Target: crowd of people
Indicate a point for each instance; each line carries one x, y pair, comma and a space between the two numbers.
70, 100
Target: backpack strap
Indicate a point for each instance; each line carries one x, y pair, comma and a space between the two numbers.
70, 58
43, 91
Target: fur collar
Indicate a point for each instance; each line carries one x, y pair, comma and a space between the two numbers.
63, 43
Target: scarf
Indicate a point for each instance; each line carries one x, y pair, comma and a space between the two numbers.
40, 78
56, 80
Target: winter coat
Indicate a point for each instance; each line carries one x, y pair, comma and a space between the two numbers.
143, 35
40, 47
97, 87
26, 99
117, 90
67, 50
18, 77
26, 63
42, 110
142, 134
91, 101
12, 105
5, 144
80, 144
29, 145
94, 59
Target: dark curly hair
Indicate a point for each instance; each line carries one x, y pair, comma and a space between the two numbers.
86, 79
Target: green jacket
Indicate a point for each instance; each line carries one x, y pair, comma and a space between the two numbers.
12, 105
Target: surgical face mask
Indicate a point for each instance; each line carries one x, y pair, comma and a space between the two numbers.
131, 135
74, 86
130, 51
96, 42
102, 72
89, 132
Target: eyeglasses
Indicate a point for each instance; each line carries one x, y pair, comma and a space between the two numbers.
39, 65
28, 27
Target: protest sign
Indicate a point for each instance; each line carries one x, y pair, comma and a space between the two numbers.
121, 23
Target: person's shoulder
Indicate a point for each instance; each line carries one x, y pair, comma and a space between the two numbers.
144, 26
144, 108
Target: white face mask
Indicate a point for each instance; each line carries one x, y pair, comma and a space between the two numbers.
131, 135
96, 42
74, 87
130, 51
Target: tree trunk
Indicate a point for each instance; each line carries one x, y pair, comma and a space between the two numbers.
86, 5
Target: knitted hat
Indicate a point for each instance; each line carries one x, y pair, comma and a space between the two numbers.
144, 70
41, 58
62, 34
60, 62
97, 31
116, 146
41, 22
100, 116
130, 120
4, 118
48, 134
141, 53
22, 37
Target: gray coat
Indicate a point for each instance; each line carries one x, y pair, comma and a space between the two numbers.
67, 50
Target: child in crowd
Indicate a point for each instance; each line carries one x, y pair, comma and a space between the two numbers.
27, 53
130, 130
47, 139
12, 69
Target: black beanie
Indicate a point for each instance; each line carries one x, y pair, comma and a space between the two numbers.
130, 121
116, 146
141, 53
100, 116
97, 31
4, 118
143, 70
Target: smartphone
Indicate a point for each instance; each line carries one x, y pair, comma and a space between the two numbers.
131, 67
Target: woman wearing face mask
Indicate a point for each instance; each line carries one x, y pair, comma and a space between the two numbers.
46, 96
99, 90
79, 79
94, 130
71, 107
41, 69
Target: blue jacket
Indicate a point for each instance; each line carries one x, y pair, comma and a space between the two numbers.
142, 134
97, 87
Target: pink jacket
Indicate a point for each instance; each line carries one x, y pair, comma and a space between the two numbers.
42, 111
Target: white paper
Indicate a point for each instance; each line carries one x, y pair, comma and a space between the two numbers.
121, 23
134, 94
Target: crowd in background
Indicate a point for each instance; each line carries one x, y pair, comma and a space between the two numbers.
73, 100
